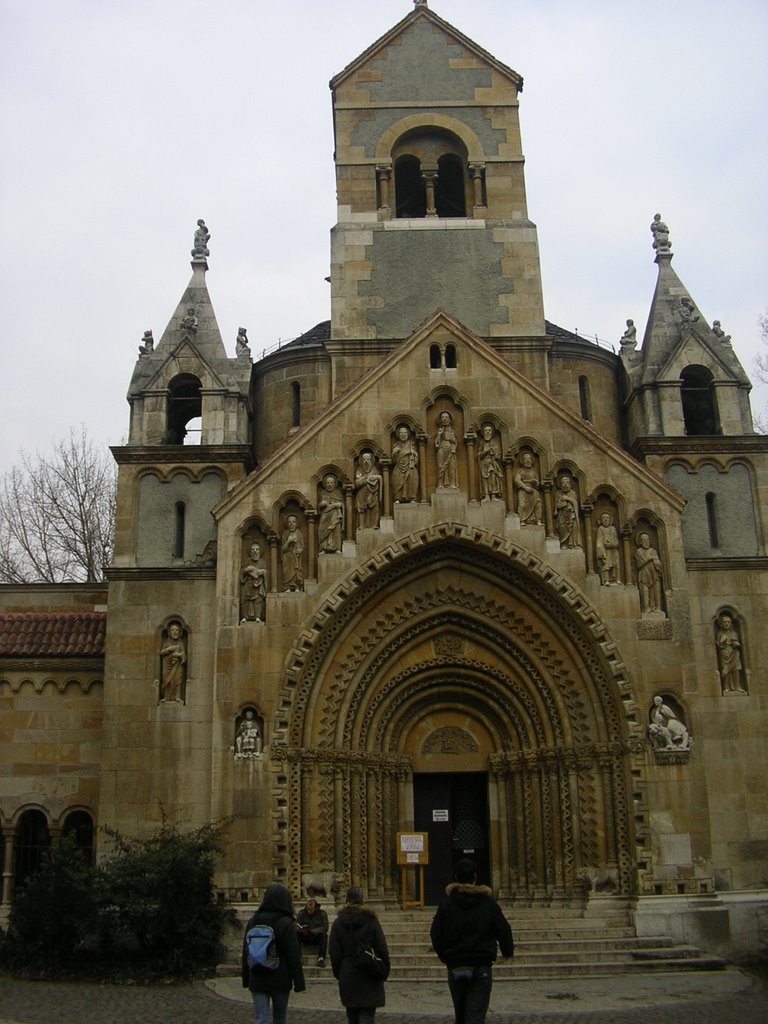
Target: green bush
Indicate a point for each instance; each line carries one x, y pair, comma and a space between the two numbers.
53, 912
157, 894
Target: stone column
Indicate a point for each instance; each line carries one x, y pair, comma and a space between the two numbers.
549, 521
476, 171
386, 498
422, 440
8, 836
627, 554
383, 174
311, 517
273, 560
430, 177
349, 512
509, 482
469, 440
589, 541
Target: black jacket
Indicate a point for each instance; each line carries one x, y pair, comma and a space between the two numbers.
276, 910
468, 925
356, 924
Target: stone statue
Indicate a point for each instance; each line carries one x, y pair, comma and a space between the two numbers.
607, 550
405, 460
717, 330
629, 337
173, 658
567, 513
189, 321
660, 233
687, 311
242, 348
292, 556
528, 493
728, 655
330, 526
202, 234
445, 444
253, 587
648, 566
666, 731
248, 737
368, 485
147, 344
489, 457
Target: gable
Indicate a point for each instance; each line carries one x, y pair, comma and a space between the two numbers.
694, 349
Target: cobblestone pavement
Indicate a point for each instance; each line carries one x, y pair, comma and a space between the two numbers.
26, 1002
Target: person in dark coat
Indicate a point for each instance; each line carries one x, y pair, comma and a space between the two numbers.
357, 925
276, 910
465, 931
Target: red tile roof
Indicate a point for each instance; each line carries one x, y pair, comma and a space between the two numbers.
52, 634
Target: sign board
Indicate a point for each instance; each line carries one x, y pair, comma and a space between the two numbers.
440, 814
412, 848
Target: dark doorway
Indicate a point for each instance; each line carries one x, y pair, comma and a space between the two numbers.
453, 809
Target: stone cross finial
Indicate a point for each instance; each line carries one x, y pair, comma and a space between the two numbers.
420, 3
660, 233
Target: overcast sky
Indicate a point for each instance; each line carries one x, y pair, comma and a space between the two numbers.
122, 123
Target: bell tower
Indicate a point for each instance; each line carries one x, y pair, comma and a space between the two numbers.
432, 209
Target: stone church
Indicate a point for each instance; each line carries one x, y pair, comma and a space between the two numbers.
436, 566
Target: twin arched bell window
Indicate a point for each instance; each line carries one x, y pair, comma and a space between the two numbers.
432, 176
699, 401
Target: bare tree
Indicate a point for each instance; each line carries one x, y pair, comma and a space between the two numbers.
57, 514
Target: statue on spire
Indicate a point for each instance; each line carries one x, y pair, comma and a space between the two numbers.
660, 233
202, 234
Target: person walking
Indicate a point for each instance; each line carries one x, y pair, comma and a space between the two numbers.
274, 983
359, 958
465, 932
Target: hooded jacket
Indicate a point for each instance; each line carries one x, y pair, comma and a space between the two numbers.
468, 925
356, 924
276, 910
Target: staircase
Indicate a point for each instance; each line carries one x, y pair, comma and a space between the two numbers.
550, 942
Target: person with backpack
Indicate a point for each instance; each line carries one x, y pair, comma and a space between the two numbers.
359, 958
271, 962
465, 931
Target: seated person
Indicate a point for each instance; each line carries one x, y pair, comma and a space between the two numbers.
312, 928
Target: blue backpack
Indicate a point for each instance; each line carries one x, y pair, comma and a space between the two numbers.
261, 947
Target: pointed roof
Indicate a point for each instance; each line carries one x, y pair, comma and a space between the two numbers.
421, 12
673, 318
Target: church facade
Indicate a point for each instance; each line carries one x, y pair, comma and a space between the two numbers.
435, 566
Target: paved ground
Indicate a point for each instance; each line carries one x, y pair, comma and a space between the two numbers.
723, 997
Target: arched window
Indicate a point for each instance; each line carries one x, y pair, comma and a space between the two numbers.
179, 525
451, 361
296, 399
434, 357
185, 403
585, 403
697, 394
79, 825
450, 191
31, 841
410, 188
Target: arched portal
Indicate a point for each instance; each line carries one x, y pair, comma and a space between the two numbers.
456, 652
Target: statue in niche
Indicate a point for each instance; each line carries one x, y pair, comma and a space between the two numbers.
291, 555
242, 348
719, 333
660, 233
728, 655
368, 485
189, 321
248, 741
648, 565
629, 337
666, 731
528, 493
330, 526
567, 513
607, 550
253, 587
405, 460
173, 659
445, 444
147, 346
200, 244
489, 457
